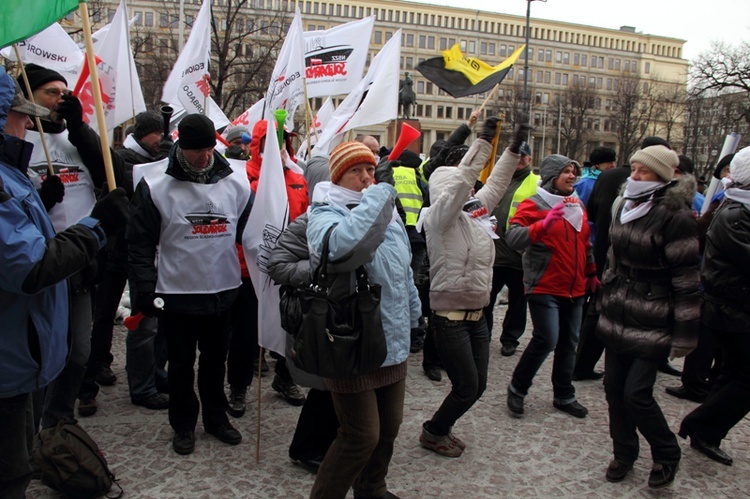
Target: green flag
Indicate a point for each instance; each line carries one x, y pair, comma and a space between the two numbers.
19, 19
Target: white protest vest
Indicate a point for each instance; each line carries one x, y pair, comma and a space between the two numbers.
79, 187
197, 254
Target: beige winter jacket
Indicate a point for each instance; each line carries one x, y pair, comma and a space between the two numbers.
461, 252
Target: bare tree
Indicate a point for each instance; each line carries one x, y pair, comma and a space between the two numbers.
631, 113
577, 103
669, 111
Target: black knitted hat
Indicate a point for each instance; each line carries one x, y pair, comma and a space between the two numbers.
196, 132
38, 76
147, 122
601, 155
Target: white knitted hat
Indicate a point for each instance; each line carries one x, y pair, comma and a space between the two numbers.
739, 168
659, 159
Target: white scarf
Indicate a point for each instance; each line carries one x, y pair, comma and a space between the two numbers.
572, 209
737, 194
131, 143
345, 198
636, 189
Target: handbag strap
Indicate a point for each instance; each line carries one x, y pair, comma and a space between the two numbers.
321, 271
320, 275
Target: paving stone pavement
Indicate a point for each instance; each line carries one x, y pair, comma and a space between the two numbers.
544, 454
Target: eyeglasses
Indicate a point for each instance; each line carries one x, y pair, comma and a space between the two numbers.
53, 92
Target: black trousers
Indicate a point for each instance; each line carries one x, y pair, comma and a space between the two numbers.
590, 347
106, 301
697, 373
629, 384
729, 400
243, 343
316, 427
210, 334
514, 322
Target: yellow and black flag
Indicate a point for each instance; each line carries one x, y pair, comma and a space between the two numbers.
460, 75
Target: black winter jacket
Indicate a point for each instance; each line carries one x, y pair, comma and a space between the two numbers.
650, 299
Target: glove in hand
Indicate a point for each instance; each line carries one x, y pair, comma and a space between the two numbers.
520, 135
52, 191
489, 128
553, 216
70, 109
593, 283
146, 305
112, 211
384, 171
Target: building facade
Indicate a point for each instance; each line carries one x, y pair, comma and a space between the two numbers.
578, 76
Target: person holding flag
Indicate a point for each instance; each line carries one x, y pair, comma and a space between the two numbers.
194, 211
34, 306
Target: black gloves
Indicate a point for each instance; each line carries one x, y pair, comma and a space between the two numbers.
70, 109
520, 135
164, 147
52, 191
112, 211
489, 128
146, 306
384, 171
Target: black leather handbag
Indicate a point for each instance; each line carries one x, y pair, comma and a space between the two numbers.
334, 338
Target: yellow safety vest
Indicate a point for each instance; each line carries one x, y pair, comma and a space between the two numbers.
409, 193
524, 191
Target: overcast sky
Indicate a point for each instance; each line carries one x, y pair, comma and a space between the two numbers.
698, 22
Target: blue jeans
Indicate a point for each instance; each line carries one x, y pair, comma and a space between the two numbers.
557, 321
17, 436
464, 348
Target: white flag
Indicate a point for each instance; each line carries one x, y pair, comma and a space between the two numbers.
374, 100
250, 117
335, 58
118, 77
266, 222
320, 120
52, 48
188, 83
286, 90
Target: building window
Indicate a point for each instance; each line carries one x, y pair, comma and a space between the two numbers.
610, 63
548, 55
599, 82
609, 83
557, 78
420, 87
539, 76
565, 78
428, 88
627, 66
378, 37
472, 47
647, 68
584, 59
502, 50
163, 20
138, 18
566, 57
428, 111
422, 41
409, 63
547, 76
539, 56
431, 42
576, 59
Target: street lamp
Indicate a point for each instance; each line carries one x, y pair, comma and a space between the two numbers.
526, 63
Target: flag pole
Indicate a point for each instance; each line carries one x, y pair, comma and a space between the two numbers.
96, 90
308, 114
487, 99
37, 119
257, 429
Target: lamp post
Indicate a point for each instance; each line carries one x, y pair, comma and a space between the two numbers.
526, 63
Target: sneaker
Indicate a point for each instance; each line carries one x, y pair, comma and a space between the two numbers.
105, 377
288, 390
155, 402
443, 446
515, 404
618, 470
575, 409
226, 433
87, 407
456, 441
237, 405
507, 350
661, 475
433, 373
183, 442
592, 375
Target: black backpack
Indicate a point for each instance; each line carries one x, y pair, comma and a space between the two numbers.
71, 462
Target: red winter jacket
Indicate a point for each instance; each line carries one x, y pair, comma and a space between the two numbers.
555, 262
296, 185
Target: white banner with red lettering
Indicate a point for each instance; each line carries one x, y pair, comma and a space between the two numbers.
335, 58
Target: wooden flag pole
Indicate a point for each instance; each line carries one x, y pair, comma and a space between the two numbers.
487, 99
37, 119
257, 430
308, 118
96, 90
